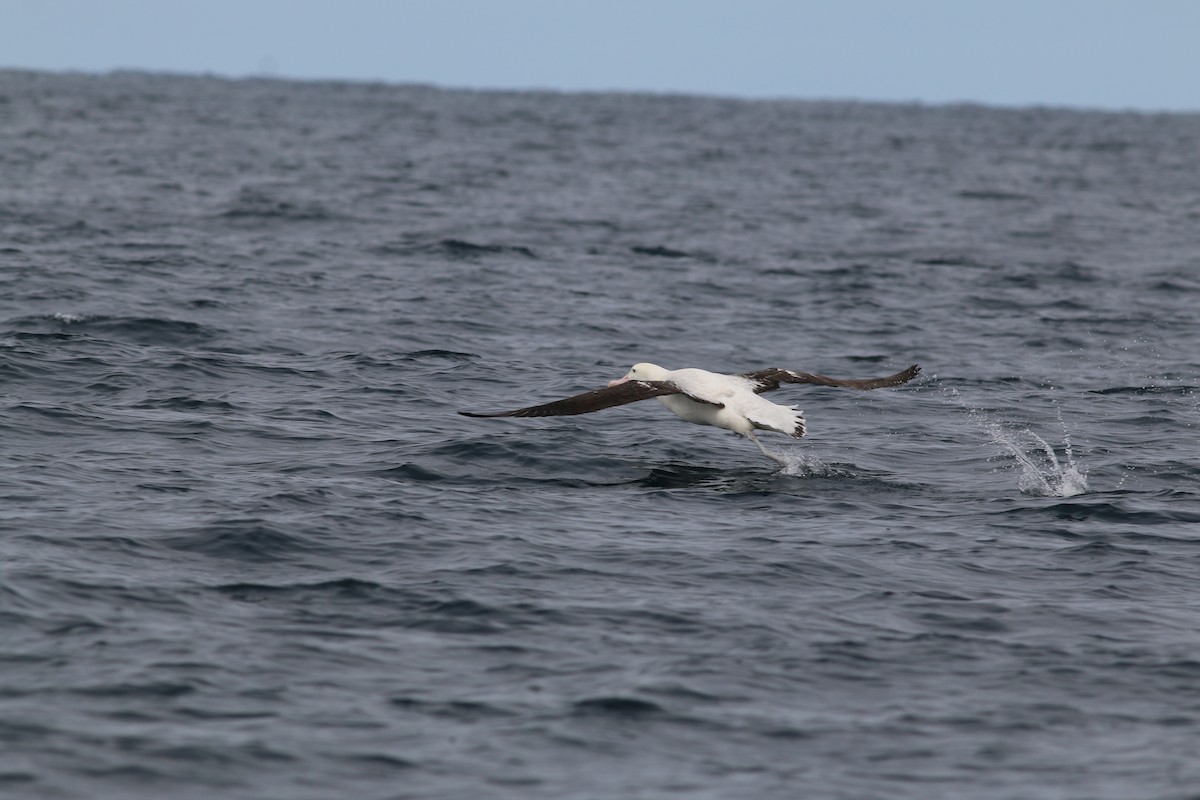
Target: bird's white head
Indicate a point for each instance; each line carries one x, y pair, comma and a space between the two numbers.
642, 372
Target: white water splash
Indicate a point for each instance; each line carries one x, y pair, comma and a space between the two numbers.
1042, 473
66, 319
798, 464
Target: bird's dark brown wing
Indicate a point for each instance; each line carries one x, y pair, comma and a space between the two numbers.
595, 400
768, 379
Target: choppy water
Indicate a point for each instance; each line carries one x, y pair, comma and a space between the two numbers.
250, 551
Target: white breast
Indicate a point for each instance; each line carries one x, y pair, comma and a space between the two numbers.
740, 410
689, 410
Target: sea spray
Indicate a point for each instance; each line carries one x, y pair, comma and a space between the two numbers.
804, 466
796, 464
1042, 472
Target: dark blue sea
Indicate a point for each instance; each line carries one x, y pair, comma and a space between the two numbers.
248, 548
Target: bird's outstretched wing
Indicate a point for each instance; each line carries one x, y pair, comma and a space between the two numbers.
595, 400
768, 379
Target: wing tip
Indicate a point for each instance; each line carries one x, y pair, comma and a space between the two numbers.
903, 376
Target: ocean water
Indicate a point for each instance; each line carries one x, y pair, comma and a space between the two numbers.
249, 550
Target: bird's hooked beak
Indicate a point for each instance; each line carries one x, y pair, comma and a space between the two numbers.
617, 382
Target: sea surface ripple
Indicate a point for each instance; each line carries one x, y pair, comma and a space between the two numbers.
249, 550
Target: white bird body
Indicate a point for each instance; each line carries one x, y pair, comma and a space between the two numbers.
732, 402
728, 401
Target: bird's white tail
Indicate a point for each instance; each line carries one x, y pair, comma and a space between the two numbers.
781, 419
801, 427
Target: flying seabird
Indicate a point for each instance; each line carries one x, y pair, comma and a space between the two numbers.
707, 398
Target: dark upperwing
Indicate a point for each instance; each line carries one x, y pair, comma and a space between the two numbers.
595, 400
768, 379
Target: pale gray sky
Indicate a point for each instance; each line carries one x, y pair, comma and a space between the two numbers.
1142, 54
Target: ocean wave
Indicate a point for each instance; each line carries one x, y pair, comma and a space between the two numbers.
1138, 391
245, 539
137, 330
253, 204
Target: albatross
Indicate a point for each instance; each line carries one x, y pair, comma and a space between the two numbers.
731, 402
